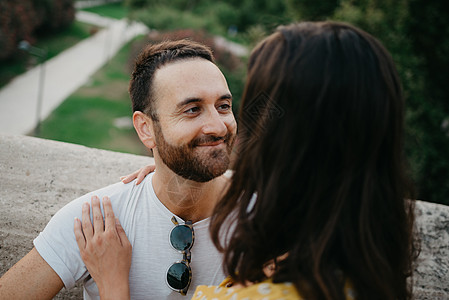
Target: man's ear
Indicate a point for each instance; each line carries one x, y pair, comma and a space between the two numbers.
144, 128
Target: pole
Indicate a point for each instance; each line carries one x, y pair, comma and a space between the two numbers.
42, 54
40, 95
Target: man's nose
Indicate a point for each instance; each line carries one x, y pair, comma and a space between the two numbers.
214, 124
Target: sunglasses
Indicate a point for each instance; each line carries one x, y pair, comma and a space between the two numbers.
179, 275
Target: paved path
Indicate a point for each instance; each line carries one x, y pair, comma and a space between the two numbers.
64, 73
90, 3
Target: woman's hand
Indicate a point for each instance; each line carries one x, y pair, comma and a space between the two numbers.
105, 249
139, 174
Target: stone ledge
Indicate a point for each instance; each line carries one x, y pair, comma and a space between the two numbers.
38, 177
431, 277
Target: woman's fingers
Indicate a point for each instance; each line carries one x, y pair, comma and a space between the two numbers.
79, 236
121, 234
97, 216
105, 251
144, 172
139, 174
109, 218
87, 225
130, 177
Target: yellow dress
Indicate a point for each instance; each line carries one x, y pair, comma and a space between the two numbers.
265, 290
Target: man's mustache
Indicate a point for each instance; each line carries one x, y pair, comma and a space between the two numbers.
205, 139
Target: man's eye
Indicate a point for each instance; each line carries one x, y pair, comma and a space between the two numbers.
192, 110
224, 107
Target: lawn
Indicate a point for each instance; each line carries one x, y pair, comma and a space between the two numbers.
99, 114
112, 10
54, 44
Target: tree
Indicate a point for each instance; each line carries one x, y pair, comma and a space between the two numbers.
416, 32
23, 20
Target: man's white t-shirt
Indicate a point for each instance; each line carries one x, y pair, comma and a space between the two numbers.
147, 223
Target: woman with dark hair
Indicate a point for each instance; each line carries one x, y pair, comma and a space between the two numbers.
328, 172
319, 184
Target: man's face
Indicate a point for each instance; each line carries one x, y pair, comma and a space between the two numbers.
196, 128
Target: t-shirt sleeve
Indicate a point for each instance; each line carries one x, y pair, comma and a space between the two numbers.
57, 244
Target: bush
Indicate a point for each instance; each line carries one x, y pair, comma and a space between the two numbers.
162, 17
415, 34
17, 22
56, 14
215, 17
26, 19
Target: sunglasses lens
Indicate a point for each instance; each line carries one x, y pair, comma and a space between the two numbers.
178, 276
181, 237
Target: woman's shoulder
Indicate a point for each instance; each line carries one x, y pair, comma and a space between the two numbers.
263, 290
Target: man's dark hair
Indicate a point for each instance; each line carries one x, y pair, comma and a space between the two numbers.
153, 57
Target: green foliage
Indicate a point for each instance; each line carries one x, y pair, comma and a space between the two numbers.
254, 35
54, 44
115, 10
311, 9
71, 122
161, 17
10, 69
429, 29
58, 41
416, 34
26, 19
226, 15
54, 14
215, 17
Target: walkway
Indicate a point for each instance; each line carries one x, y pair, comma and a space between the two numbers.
64, 74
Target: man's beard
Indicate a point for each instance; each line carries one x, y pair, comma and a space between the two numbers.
191, 164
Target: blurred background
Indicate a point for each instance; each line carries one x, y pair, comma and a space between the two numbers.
98, 114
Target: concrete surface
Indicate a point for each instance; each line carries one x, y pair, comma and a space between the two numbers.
64, 73
37, 177
230, 46
431, 278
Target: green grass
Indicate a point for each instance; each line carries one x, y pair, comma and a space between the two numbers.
165, 17
89, 121
10, 69
87, 116
54, 44
71, 121
112, 10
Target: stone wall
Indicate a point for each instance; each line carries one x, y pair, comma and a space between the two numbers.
38, 177
431, 277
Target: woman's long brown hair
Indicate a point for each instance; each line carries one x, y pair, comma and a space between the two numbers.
321, 146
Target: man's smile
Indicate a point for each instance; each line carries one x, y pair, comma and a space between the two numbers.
213, 144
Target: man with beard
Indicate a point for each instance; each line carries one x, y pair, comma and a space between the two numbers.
182, 112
